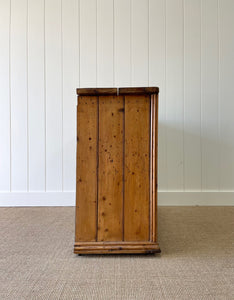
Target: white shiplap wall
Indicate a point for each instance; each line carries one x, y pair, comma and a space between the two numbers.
48, 48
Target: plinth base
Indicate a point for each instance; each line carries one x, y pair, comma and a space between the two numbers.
116, 247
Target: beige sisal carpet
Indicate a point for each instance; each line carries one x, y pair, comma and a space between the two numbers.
197, 260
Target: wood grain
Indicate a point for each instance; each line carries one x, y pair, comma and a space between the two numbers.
116, 248
117, 172
138, 90
155, 209
96, 91
115, 91
86, 181
154, 165
110, 178
137, 145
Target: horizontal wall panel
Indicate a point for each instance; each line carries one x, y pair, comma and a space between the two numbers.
195, 198
169, 198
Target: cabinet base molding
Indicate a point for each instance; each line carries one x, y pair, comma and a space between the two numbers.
116, 248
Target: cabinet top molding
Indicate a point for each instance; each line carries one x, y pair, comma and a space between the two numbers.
117, 91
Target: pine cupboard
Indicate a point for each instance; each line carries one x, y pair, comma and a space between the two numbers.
116, 175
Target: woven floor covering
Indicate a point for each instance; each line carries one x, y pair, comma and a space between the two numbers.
37, 260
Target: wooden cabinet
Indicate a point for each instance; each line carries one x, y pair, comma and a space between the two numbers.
116, 177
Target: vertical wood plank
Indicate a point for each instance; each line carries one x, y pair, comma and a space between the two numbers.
174, 93
209, 90
105, 51
53, 57
19, 119
157, 63
88, 43
110, 178
36, 99
122, 49
137, 145
86, 174
226, 92
70, 58
192, 95
154, 168
139, 47
5, 133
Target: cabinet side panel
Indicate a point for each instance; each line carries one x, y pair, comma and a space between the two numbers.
110, 174
137, 168
86, 174
154, 153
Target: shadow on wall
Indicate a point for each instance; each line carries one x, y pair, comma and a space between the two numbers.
193, 159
